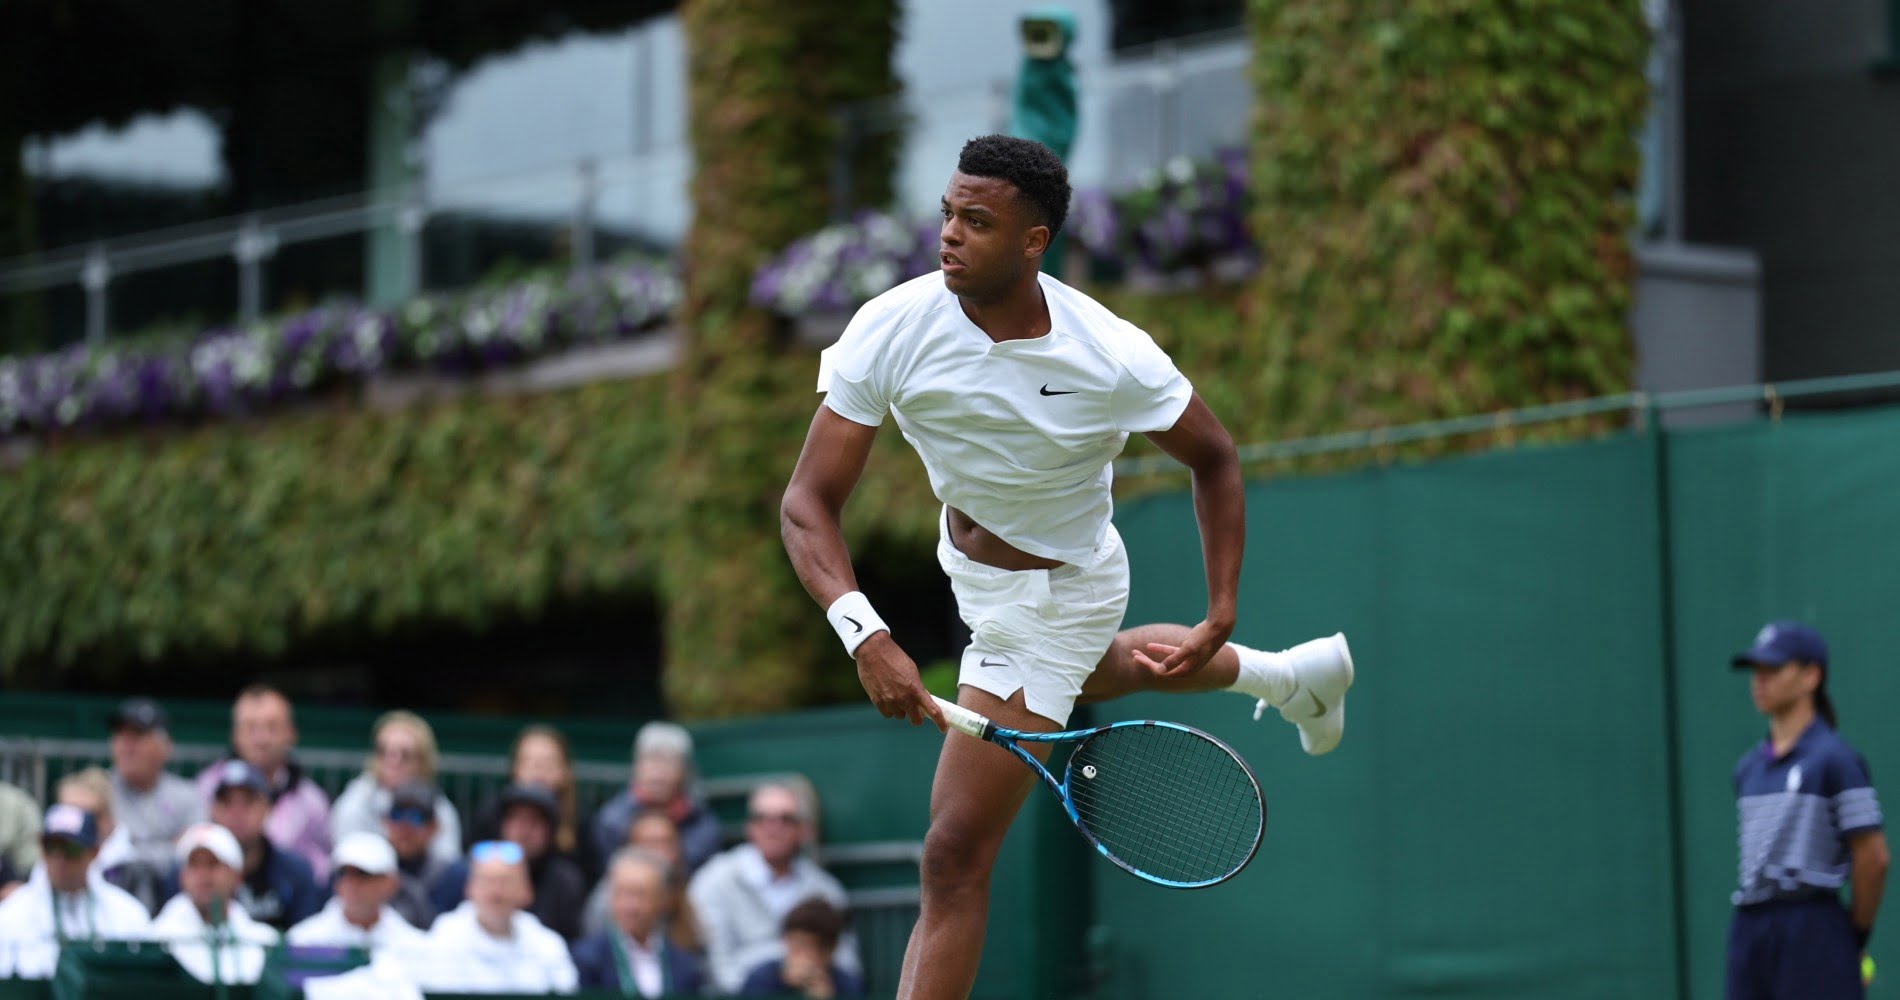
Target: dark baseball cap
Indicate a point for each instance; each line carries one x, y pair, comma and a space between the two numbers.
1783, 642
412, 798
238, 774
532, 795
142, 714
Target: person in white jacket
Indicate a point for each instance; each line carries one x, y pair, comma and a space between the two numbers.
402, 750
206, 929
64, 899
490, 943
359, 915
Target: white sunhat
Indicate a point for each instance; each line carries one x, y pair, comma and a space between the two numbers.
220, 842
366, 852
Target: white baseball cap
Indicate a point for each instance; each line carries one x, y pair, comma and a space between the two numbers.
220, 842
366, 852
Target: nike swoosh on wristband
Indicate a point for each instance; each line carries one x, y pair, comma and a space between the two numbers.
854, 623
1058, 392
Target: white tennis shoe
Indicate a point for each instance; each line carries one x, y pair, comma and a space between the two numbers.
1322, 671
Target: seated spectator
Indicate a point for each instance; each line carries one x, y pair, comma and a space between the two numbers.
152, 805
411, 828
64, 900
633, 956
19, 836
663, 780
278, 888
358, 915
810, 937
528, 815
204, 926
540, 757
262, 735
402, 750
741, 897
91, 791
653, 833
490, 943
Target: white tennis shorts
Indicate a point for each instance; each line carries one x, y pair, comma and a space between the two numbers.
1040, 631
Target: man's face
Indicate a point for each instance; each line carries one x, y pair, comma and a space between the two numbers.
775, 825
527, 826
204, 878
409, 838
139, 754
262, 732
637, 898
498, 889
363, 895
241, 811
66, 863
987, 237
1780, 687
657, 777
656, 834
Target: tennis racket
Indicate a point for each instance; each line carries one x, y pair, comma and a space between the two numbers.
1166, 803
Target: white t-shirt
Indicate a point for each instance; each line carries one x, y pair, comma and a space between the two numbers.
30, 927
1021, 434
329, 928
459, 956
240, 945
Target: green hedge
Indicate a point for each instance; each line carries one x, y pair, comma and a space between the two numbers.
1443, 189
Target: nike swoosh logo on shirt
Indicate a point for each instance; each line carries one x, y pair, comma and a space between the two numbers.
1058, 392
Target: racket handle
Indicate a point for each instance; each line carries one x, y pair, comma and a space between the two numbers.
962, 719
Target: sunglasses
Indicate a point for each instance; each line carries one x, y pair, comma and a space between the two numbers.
71, 850
399, 753
504, 851
785, 819
410, 815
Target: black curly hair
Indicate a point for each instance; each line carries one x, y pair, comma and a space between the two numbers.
1038, 174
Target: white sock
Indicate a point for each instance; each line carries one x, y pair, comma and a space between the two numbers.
1264, 675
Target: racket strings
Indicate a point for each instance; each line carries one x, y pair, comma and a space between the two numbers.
1166, 802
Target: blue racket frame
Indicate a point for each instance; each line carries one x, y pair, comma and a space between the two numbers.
974, 724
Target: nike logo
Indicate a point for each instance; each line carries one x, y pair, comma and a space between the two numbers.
854, 624
1058, 392
986, 663
1319, 708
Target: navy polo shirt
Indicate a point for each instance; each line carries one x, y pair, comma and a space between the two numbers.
1796, 812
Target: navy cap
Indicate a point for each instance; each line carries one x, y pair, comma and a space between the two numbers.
142, 714
532, 795
238, 774
69, 822
1783, 642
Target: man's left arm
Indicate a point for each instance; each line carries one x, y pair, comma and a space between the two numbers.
1867, 864
1198, 441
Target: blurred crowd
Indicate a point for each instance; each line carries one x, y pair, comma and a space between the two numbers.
525, 895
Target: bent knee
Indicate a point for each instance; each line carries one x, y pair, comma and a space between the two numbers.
957, 856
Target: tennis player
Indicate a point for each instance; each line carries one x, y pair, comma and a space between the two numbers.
1018, 392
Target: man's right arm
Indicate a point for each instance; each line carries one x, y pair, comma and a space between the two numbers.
811, 522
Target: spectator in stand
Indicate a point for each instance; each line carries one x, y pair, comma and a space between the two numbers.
411, 828
528, 815
19, 836
64, 900
633, 955
741, 897
653, 833
810, 938
278, 887
402, 750
204, 926
91, 791
490, 943
152, 805
359, 916
663, 779
263, 732
540, 757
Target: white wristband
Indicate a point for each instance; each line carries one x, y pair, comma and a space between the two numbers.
852, 617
